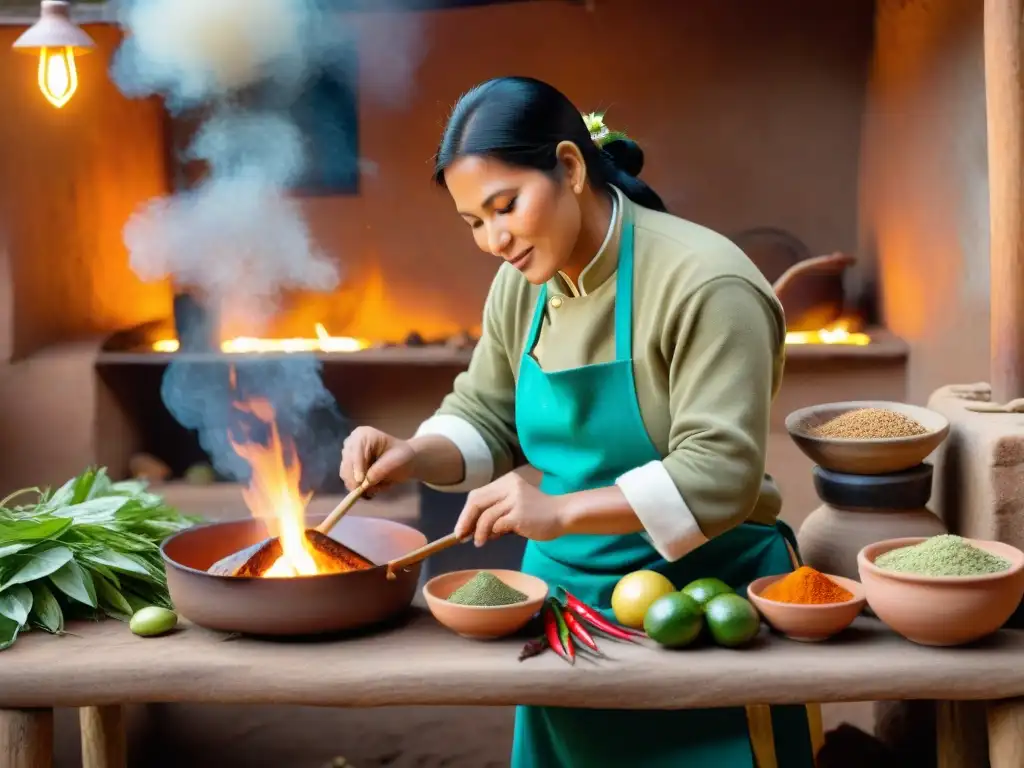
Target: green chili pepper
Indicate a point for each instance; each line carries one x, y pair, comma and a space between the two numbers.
563, 630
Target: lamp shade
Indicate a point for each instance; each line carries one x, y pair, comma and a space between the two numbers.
54, 30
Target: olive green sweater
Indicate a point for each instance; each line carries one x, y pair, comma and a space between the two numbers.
708, 348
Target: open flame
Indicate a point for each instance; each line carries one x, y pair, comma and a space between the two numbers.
837, 333
322, 341
273, 493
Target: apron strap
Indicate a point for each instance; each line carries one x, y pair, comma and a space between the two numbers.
624, 291
538, 316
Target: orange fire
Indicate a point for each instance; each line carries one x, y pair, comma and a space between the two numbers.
837, 333
321, 342
274, 495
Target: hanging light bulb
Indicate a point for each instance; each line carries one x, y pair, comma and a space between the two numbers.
56, 40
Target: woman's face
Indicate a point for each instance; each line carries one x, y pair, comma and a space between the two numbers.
523, 216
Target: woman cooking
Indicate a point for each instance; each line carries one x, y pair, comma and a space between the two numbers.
631, 357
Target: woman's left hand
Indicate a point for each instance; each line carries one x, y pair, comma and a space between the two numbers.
510, 505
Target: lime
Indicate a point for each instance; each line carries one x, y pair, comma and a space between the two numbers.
732, 620
703, 590
634, 594
674, 620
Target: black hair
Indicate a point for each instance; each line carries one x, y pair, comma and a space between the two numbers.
521, 121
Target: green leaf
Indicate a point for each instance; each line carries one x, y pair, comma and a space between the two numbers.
32, 530
16, 603
36, 565
102, 570
82, 486
18, 546
61, 497
111, 600
46, 612
8, 632
117, 561
102, 510
75, 582
130, 487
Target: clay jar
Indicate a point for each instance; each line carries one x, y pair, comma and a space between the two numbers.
862, 509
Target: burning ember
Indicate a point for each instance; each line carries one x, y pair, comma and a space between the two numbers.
837, 333
322, 342
274, 495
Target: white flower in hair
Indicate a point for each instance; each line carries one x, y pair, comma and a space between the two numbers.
600, 133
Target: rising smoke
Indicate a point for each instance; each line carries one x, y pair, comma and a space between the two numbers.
237, 239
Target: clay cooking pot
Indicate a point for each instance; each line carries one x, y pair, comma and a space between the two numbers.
305, 605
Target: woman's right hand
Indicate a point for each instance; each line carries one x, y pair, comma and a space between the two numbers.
377, 456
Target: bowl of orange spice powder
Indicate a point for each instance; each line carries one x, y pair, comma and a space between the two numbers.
807, 605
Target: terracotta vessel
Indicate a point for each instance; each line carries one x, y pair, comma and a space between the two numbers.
942, 610
810, 287
484, 622
304, 605
808, 623
861, 509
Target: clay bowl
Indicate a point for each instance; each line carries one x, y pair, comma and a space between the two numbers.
807, 623
480, 622
942, 610
866, 456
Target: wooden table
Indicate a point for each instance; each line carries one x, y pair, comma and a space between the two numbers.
102, 666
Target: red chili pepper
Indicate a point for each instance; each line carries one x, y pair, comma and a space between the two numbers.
551, 633
598, 621
563, 631
533, 648
580, 631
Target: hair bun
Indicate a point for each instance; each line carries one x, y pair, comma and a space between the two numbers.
627, 155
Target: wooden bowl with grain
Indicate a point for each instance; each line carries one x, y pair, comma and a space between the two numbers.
866, 455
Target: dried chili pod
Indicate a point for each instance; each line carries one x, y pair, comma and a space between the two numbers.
533, 648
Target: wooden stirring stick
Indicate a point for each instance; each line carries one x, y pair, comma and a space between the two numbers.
423, 553
339, 511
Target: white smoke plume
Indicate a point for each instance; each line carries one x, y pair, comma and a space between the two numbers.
194, 51
237, 239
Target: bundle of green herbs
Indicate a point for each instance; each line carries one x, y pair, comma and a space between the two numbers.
86, 550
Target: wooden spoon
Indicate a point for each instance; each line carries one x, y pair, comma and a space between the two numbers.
423, 553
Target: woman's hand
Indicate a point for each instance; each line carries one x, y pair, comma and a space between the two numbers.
377, 456
510, 505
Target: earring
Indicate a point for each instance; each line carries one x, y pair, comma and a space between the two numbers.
577, 189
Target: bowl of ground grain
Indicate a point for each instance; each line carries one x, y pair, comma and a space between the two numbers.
942, 590
867, 437
485, 604
807, 605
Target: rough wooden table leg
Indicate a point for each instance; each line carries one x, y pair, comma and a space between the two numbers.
1006, 733
960, 730
26, 738
103, 737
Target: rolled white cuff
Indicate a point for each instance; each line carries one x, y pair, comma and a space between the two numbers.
477, 460
670, 526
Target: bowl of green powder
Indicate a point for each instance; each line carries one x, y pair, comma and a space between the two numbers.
942, 590
485, 604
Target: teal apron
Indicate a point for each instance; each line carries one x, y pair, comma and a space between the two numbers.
582, 428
